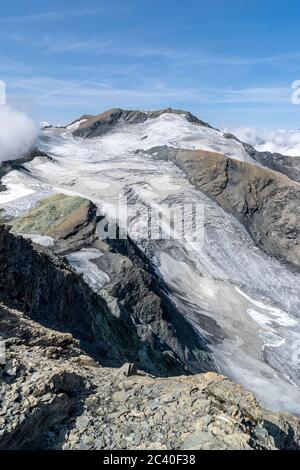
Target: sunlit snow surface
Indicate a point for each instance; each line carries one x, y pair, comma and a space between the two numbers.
73, 127
244, 302
39, 239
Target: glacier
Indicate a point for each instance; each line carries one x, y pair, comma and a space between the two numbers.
243, 301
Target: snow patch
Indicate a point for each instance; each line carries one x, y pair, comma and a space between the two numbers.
14, 191
39, 239
81, 261
73, 127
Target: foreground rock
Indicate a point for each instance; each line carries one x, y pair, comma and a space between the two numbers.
55, 397
266, 202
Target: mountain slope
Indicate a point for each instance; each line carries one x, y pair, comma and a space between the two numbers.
289, 166
132, 302
267, 203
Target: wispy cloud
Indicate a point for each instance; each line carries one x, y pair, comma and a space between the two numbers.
17, 133
252, 95
116, 47
55, 92
59, 15
281, 141
101, 46
8, 65
104, 46
240, 61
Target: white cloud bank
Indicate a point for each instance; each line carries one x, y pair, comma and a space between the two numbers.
17, 133
281, 141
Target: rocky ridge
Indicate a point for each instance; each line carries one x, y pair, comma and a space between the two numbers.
265, 201
54, 396
95, 126
289, 166
134, 301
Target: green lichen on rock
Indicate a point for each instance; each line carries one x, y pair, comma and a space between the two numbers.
50, 215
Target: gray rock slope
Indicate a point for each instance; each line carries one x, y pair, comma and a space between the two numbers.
131, 318
266, 202
289, 166
54, 396
94, 126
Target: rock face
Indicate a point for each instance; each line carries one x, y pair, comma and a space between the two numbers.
136, 296
48, 290
94, 126
133, 305
55, 397
70, 221
289, 166
266, 202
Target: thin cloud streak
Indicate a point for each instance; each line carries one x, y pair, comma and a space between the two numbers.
102, 46
53, 92
112, 47
60, 15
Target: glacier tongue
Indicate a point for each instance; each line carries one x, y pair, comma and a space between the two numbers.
246, 303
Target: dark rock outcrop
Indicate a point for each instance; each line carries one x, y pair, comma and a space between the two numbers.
47, 289
266, 202
289, 166
137, 296
152, 332
70, 221
94, 126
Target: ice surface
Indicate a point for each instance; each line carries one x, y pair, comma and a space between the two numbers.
82, 262
15, 202
14, 192
73, 127
39, 239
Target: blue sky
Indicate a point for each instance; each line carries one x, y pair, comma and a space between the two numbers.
230, 62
